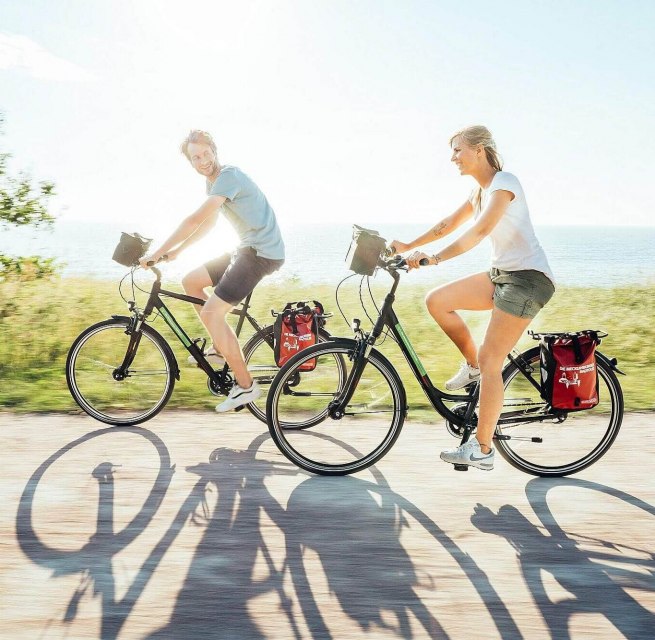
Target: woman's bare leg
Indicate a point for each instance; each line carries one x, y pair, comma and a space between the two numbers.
473, 293
502, 334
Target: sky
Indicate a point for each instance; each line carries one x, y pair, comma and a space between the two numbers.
341, 111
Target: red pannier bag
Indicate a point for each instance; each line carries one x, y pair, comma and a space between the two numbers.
295, 329
569, 378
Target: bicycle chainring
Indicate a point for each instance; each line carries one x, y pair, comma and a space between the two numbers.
457, 431
216, 390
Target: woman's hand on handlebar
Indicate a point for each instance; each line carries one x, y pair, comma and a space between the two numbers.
398, 247
419, 259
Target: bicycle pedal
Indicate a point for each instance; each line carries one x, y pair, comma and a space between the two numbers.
241, 408
461, 467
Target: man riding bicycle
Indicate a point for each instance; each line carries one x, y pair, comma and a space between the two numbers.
233, 276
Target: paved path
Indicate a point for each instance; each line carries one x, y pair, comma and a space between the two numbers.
133, 533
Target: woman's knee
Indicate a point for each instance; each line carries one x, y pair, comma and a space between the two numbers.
434, 303
490, 361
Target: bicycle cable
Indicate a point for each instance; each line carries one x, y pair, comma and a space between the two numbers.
120, 286
386, 329
336, 298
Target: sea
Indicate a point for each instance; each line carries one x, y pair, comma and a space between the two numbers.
609, 256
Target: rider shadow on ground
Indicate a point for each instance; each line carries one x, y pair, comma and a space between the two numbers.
592, 578
353, 529
213, 601
351, 525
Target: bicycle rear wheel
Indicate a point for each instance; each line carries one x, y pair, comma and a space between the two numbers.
260, 360
552, 444
100, 386
335, 445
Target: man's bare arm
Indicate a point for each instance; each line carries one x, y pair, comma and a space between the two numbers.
205, 216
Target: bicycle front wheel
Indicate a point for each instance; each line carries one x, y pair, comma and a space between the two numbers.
107, 390
365, 432
546, 443
260, 360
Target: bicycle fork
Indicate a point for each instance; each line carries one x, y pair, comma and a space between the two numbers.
337, 408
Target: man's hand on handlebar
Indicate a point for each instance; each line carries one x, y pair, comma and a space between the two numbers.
150, 261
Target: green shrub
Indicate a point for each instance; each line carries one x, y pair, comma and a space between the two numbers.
39, 321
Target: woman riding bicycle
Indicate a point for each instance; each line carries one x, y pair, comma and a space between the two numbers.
516, 287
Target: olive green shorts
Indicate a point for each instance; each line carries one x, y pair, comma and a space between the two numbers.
521, 293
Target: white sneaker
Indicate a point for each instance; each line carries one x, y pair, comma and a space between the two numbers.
238, 397
466, 375
211, 356
471, 455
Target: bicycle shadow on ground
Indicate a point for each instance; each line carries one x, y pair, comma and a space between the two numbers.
585, 567
352, 527
231, 499
94, 559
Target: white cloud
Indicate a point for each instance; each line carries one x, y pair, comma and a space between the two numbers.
21, 53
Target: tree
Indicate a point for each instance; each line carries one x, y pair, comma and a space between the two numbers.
23, 203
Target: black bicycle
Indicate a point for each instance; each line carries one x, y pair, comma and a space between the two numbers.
357, 422
122, 371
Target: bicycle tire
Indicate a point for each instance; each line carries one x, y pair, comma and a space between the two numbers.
336, 446
95, 355
568, 443
263, 368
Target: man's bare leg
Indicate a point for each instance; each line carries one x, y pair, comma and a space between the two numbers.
213, 316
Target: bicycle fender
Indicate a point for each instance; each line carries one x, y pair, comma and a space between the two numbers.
610, 362
354, 344
167, 348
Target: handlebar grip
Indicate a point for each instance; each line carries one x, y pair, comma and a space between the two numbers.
152, 263
424, 262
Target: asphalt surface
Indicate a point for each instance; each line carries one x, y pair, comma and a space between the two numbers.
194, 526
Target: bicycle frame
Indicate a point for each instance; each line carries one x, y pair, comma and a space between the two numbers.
220, 378
388, 318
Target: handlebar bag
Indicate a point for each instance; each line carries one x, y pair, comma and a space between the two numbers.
295, 329
569, 377
364, 251
130, 248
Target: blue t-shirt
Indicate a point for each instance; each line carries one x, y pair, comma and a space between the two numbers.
248, 211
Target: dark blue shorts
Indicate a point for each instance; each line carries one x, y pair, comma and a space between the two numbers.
235, 275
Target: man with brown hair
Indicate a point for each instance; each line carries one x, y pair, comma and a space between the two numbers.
233, 276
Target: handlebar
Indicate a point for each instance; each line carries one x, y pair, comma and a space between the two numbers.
397, 261
152, 263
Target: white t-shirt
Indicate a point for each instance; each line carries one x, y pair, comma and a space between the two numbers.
514, 244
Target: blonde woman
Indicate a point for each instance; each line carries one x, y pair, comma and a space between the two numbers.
517, 286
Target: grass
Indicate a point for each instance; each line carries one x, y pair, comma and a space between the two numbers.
40, 320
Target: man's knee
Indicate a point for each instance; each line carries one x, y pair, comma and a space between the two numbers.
215, 309
193, 283
189, 284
